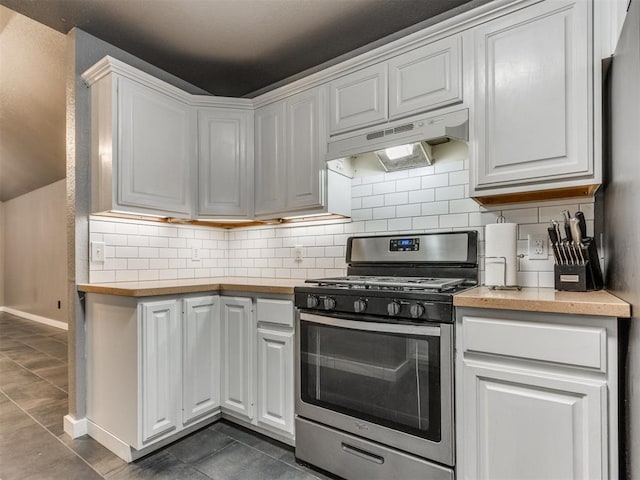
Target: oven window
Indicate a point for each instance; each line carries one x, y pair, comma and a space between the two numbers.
388, 379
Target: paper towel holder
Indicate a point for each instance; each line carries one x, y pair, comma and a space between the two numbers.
503, 262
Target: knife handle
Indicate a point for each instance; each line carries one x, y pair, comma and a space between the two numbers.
582, 223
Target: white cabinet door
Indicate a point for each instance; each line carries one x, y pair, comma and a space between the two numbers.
521, 424
155, 151
275, 380
200, 357
225, 163
271, 162
160, 372
305, 148
359, 99
533, 88
426, 78
238, 345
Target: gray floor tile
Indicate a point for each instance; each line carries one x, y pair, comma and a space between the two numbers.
241, 462
30, 452
265, 444
34, 394
102, 460
56, 374
158, 466
50, 416
199, 444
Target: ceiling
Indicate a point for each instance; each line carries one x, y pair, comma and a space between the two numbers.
225, 47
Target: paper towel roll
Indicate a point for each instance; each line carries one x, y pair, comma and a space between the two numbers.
500, 253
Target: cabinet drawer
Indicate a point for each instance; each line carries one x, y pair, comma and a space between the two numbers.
546, 342
279, 312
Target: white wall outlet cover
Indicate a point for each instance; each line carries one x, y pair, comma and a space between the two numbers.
538, 246
297, 253
195, 254
97, 252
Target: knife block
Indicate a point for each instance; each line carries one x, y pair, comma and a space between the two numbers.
583, 277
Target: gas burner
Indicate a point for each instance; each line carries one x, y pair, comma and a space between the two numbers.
390, 283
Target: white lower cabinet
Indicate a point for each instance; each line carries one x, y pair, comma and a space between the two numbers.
536, 396
275, 379
152, 369
238, 332
257, 364
159, 365
200, 357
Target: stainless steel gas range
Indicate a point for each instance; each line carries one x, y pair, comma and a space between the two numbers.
375, 351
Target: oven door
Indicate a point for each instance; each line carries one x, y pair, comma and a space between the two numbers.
390, 383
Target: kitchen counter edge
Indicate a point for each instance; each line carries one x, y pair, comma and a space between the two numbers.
547, 300
173, 287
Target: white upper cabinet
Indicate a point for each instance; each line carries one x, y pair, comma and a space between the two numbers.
270, 172
305, 132
534, 107
359, 99
142, 149
291, 174
225, 163
419, 80
426, 78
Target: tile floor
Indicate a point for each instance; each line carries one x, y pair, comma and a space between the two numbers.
33, 400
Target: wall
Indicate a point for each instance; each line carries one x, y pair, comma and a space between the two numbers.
2, 271
621, 202
35, 252
428, 199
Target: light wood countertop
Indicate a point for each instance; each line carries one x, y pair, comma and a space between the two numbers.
600, 303
194, 285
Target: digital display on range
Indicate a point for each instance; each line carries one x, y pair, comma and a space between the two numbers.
404, 244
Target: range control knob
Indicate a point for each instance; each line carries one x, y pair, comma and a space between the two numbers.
393, 308
360, 305
312, 301
329, 303
416, 310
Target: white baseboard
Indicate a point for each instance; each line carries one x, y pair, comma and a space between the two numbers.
73, 427
114, 444
36, 318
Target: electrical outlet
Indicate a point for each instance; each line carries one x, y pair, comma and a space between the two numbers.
538, 247
297, 253
195, 254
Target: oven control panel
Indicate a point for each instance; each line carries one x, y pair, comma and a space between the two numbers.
404, 244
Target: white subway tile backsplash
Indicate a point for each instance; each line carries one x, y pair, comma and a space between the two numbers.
384, 212
450, 193
430, 199
420, 196
454, 220
126, 252
399, 224
410, 210
433, 181
442, 167
408, 184
382, 188
373, 201
434, 208
400, 198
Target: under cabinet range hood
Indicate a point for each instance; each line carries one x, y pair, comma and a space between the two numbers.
403, 144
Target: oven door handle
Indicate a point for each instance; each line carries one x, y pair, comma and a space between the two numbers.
423, 330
